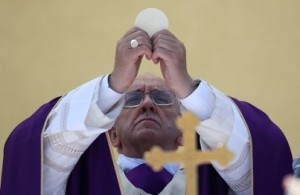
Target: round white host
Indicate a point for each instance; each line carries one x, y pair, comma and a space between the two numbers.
151, 20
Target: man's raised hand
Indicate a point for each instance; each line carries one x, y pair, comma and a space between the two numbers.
128, 59
170, 53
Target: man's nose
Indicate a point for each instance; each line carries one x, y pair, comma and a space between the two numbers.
148, 104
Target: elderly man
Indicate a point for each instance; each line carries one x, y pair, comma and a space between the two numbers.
62, 148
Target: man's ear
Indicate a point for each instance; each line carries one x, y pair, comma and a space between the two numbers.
179, 140
114, 138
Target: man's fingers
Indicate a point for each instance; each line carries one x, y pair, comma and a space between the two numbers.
144, 46
164, 37
130, 31
160, 54
140, 51
139, 35
163, 32
166, 47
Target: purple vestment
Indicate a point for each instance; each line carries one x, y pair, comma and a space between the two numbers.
94, 174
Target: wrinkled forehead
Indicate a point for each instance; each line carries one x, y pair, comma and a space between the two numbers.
148, 82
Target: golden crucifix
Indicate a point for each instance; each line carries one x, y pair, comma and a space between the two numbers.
156, 157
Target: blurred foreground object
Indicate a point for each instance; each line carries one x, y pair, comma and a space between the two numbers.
189, 155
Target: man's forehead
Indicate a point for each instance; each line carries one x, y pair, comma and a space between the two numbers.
148, 81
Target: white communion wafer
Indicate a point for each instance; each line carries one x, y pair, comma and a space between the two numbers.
151, 20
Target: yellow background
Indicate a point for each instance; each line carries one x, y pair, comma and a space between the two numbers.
247, 49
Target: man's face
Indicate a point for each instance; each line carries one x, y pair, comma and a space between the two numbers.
137, 129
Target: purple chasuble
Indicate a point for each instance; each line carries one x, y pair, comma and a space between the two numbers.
94, 174
272, 157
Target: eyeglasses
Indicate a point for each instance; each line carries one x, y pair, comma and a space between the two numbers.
160, 98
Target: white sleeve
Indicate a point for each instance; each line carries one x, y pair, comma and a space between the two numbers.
223, 123
77, 120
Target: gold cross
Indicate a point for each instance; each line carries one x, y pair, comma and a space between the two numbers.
189, 155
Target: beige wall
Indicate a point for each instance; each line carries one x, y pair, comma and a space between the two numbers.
248, 49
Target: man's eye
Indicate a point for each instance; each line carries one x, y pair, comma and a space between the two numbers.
133, 100
161, 99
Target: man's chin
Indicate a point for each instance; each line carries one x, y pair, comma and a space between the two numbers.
147, 132
148, 135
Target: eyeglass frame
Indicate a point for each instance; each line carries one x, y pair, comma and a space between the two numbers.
151, 97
